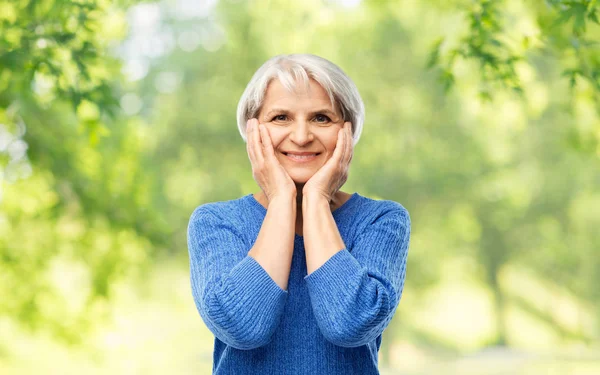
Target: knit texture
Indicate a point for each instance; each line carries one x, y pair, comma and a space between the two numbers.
328, 322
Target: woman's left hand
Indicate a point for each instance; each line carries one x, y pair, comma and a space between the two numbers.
333, 175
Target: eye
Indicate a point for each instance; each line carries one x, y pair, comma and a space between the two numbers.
279, 118
322, 118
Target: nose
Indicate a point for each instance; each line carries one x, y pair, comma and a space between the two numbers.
301, 133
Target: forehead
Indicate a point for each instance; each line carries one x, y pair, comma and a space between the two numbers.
277, 93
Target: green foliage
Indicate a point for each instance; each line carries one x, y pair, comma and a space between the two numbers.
491, 185
483, 43
67, 200
61, 43
581, 11
491, 40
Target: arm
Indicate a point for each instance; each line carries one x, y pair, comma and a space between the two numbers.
237, 298
355, 292
274, 246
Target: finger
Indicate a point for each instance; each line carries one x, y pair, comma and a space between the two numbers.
345, 146
338, 152
257, 147
342, 146
252, 142
349, 146
266, 140
249, 142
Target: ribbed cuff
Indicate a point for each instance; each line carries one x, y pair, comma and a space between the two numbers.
248, 308
257, 283
334, 277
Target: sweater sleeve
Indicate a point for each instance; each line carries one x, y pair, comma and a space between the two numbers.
355, 293
237, 299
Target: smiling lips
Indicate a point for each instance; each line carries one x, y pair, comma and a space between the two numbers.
301, 157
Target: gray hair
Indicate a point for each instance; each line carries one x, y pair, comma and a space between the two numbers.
288, 68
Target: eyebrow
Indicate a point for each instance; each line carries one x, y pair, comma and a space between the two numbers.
323, 111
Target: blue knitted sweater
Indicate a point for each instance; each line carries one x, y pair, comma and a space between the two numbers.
328, 322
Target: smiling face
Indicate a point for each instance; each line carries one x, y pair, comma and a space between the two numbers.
300, 122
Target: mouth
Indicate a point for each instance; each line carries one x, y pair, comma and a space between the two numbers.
302, 157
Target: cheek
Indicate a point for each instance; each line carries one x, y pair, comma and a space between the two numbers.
276, 136
331, 143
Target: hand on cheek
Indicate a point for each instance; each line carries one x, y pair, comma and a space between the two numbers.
333, 175
269, 174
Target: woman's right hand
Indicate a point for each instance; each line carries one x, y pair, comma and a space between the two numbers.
268, 173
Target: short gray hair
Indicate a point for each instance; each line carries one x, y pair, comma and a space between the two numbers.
342, 92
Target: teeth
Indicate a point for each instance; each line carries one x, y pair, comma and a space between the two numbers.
303, 157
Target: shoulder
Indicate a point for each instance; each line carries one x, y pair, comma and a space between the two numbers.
220, 210
219, 221
376, 210
380, 220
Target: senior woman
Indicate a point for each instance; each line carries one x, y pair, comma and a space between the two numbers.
300, 277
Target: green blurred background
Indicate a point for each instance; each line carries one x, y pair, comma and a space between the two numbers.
117, 119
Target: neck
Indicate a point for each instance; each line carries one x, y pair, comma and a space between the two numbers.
337, 200
333, 203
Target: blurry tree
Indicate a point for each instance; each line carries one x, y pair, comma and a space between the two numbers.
498, 34
76, 208
490, 185
52, 49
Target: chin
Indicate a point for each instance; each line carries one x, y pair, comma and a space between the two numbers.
301, 178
